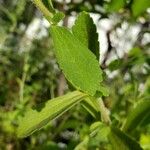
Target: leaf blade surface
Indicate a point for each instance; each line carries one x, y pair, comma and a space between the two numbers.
35, 119
136, 116
85, 30
77, 62
121, 141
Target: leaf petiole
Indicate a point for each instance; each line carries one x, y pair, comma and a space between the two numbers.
104, 111
49, 15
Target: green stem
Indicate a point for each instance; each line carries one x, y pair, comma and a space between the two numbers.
23, 79
43, 9
104, 111
22, 87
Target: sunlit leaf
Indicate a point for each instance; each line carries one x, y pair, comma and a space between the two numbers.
85, 30
83, 145
115, 6
101, 128
36, 118
145, 141
139, 6
77, 62
57, 17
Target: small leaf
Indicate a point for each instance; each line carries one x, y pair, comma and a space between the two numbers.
85, 30
139, 6
77, 62
121, 141
83, 145
145, 141
136, 116
103, 90
95, 126
101, 128
136, 56
35, 119
115, 6
115, 64
57, 17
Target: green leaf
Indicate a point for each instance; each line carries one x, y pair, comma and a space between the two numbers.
36, 118
95, 126
85, 30
115, 64
77, 62
103, 90
136, 56
139, 6
145, 141
101, 128
121, 141
115, 6
136, 116
83, 145
57, 17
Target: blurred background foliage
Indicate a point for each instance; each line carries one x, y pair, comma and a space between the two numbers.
30, 75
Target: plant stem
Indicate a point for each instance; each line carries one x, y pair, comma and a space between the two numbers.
21, 93
104, 111
43, 9
23, 79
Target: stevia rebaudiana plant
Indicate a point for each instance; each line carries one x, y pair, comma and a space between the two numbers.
121, 126
77, 53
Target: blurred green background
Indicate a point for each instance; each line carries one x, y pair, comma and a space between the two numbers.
30, 75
